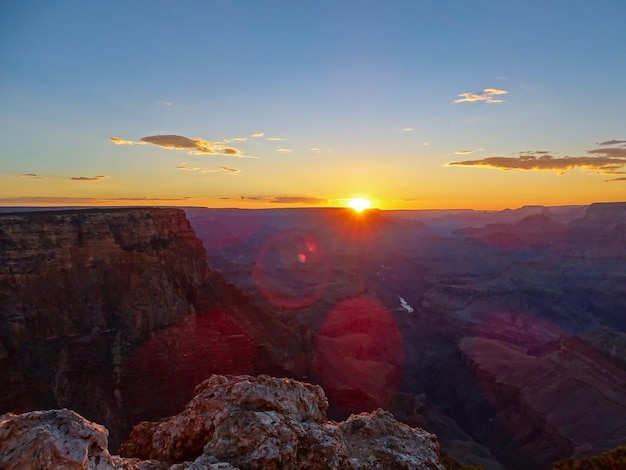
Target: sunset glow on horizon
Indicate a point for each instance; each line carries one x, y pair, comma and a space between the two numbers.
423, 106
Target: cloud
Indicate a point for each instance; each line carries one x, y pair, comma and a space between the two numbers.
276, 138
237, 139
606, 165
31, 175
195, 146
286, 199
615, 152
148, 199
467, 152
48, 200
408, 129
612, 142
230, 170
88, 178
118, 141
487, 95
258, 134
617, 179
283, 150
297, 200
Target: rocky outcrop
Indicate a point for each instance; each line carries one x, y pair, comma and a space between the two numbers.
116, 314
233, 422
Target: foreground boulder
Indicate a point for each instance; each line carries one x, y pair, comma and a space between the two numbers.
233, 422
52, 439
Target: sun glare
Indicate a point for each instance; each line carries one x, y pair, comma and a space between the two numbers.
359, 204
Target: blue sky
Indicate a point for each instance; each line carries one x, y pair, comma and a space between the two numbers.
485, 104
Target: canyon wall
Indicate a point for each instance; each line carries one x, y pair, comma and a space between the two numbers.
116, 314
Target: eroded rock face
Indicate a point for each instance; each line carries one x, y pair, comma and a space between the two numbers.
102, 310
270, 423
52, 439
234, 422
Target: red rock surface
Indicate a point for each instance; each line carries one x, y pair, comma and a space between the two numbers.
570, 401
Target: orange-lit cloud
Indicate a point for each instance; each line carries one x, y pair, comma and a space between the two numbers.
31, 175
118, 141
488, 95
195, 146
276, 138
88, 178
283, 150
258, 134
617, 179
467, 152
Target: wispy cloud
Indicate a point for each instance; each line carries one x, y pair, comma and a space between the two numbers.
258, 134
148, 199
283, 150
276, 138
408, 129
609, 160
612, 142
195, 146
623, 178
88, 178
31, 175
230, 170
488, 95
118, 141
286, 199
467, 152
48, 200
297, 200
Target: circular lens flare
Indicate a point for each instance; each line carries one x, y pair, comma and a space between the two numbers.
359, 204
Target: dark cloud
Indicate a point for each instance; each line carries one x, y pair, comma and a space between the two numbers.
617, 179
297, 200
286, 199
148, 199
31, 175
612, 142
195, 146
66, 201
547, 162
230, 170
614, 152
88, 178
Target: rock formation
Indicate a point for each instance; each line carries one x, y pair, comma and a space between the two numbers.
233, 422
101, 309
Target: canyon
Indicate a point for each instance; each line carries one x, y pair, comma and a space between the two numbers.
500, 332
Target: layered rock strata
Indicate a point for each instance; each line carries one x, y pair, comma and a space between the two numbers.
116, 314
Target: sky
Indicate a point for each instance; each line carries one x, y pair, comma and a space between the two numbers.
295, 103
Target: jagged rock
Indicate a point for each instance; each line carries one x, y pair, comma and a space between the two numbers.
52, 439
270, 423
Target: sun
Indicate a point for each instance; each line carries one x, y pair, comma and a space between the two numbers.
359, 204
